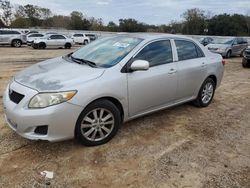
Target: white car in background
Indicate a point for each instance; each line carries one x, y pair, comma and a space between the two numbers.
53, 41
80, 38
32, 37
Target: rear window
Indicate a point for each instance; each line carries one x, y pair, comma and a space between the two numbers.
6, 32
187, 50
57, 37
78, 35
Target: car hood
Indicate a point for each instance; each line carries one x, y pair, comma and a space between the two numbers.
220, 46
57, 74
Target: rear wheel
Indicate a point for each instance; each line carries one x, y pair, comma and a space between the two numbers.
206, 93
98, 123
85, 42
16, 43
245, 63
228, 54
67, 46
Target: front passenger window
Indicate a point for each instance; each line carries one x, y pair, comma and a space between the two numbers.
156, 53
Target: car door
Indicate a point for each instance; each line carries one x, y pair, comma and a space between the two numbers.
157, 86
192, 69
51, 41
236, 47
5, 39
61, 40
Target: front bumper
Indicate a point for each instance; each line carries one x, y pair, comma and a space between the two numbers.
222, 53
60, 119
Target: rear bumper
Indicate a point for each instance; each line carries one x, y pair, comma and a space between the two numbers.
60, 119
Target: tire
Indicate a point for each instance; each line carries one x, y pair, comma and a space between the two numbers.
205, 91
16, 43
90, 128
241, 54
42, 45
67, 46
35, 46
228, 54
244, 64
85, 42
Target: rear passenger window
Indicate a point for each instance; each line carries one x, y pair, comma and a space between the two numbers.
78, 35
57, 37
187, 50
156, 53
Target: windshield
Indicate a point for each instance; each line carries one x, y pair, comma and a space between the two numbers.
107, 52
223, 41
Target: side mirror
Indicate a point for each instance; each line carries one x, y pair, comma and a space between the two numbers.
139, 65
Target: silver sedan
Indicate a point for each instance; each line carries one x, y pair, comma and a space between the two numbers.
89, 93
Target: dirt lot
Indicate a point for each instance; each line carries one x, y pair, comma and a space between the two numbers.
180, 147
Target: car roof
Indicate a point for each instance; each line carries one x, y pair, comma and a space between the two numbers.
153, 36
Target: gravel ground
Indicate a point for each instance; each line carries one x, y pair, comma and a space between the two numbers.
179, 147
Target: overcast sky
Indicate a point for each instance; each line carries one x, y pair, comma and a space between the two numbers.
148, 11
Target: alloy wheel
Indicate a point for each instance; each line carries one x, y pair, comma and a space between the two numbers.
207, 93
97, 124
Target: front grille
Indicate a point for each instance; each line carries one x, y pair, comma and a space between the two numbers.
247, 52
213, 49
15, 97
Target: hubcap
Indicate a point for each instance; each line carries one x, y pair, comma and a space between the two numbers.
17, 44
97, 124
207, 93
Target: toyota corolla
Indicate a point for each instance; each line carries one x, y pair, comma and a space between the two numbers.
89, 93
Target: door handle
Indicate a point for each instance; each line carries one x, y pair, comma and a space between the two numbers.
203, 64
172, 71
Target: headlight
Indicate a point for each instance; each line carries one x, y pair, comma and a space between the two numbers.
42, 100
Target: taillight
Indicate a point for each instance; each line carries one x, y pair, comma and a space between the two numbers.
223, 62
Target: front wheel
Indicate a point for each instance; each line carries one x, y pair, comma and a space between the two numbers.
98, 123
85, 42
67, 46
206, 93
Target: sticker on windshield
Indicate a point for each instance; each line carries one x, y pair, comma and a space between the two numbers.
121, 45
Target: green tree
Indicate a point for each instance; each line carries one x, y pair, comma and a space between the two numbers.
1, 24
228, 25
78, 22
96, 24
194, 21
20, 22
131, 25
112, 27
6, 15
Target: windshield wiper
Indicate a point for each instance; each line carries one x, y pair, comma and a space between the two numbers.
83, 61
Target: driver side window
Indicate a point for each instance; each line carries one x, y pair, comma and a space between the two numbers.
156, 53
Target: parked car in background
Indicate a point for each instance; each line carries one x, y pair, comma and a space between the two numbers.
32, 37
80, 38
91, 36
246, 58
12, 37
88, 93
228, 47
206, 40
53, 41
31, 32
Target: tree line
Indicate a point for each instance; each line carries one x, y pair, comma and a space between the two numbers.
195, 22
